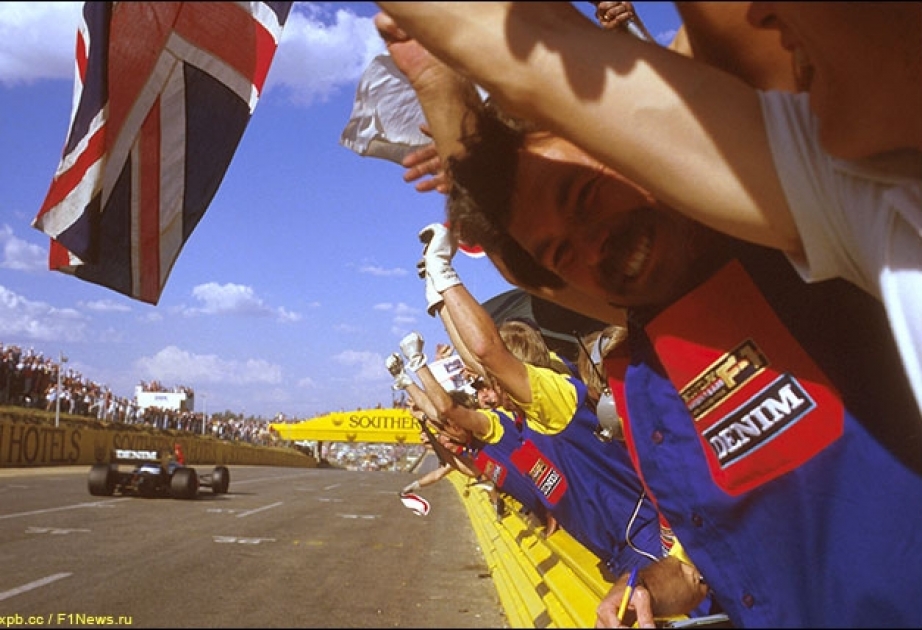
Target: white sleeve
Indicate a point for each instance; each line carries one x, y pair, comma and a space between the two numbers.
861, 220
835, 238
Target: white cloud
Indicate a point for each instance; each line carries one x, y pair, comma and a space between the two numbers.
403, 316
235, 299
374, 270
321, 52
21, 318
37, 40
368, 366
173, 366
20, 255
105, 306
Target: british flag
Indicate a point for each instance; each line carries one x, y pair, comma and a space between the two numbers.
163, 93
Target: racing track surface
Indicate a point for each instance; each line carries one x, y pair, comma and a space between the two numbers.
286, 547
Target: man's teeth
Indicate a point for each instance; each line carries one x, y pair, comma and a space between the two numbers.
638, 258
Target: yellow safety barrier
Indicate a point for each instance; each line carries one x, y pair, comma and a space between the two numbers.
542, 582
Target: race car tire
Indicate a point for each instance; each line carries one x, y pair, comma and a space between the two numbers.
184, 484
101, 481
220, 480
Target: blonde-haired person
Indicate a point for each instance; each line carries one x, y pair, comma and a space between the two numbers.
589, 485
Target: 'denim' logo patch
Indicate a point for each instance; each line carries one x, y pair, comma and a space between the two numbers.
723, 377
767, 414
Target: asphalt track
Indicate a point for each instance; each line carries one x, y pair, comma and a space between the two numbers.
285, 547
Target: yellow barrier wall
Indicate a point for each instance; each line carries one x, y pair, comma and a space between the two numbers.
542, 582
27, 442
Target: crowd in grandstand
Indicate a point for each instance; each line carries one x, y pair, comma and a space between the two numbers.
29, 379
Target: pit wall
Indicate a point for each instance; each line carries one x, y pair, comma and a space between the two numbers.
37, 442
542, 582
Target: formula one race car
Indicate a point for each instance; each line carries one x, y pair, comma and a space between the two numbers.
154, 474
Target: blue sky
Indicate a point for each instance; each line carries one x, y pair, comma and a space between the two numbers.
299, 280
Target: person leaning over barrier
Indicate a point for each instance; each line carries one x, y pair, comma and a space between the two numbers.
831, 176
649, 261
448, 441
490, 448
588, 484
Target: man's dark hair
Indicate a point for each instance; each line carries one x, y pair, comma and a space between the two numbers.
480, 200
463, 399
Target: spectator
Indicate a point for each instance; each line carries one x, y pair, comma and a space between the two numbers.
489, 461
589, 486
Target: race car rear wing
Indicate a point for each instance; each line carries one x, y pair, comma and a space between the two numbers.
125, 456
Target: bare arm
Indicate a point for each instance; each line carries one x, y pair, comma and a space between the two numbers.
477, 330
469, 419
446, 99
466, 355
421, 400
694, 135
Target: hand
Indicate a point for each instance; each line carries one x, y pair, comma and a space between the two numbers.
412, 348
413, 487
434, 299
612, 15
422, 70
440, 248
401, 381
423, 162
640, 607
667, 588
394, 364
443, 351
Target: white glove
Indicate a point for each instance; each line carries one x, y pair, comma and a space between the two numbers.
434, 299
394, 365
412, 347
413, 487
401, 381
440, 249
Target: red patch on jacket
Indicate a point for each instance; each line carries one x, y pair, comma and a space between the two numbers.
761, 406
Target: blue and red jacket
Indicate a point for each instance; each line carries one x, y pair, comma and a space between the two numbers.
775, 430
592, 489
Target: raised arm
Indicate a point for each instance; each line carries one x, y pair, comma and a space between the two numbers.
474, 327
689, 133
447, 99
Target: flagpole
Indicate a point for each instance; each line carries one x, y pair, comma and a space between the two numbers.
57, 398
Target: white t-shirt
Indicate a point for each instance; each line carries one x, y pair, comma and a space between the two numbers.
861, 221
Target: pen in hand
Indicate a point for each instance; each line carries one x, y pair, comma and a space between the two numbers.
628, 592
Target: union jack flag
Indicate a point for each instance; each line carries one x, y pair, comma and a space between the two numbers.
163, 92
